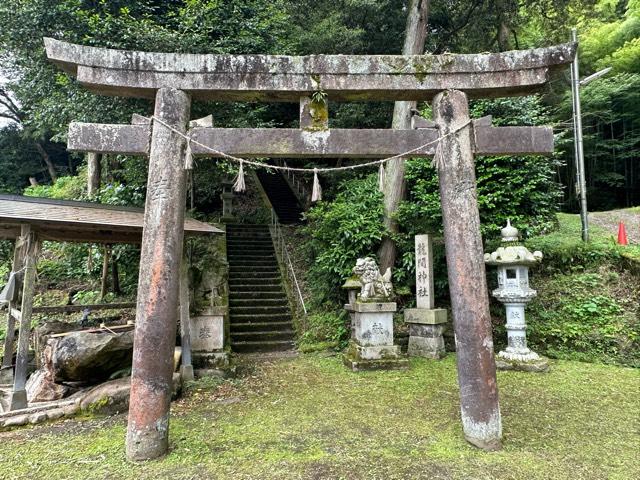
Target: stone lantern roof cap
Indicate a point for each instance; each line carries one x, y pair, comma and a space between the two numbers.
510, 233
352, 282
512, 253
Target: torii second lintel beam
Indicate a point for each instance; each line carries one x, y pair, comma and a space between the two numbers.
287, 78
296, 143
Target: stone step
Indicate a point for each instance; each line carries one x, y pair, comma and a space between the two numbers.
262, 336
235, 234
264, 262
258, 310
232, 257
255, 284
240, 318
249, 243
233, 250
253, 272
272, 346
260, 326
253, 294
235, 267
250, 281
258, 302
249, 236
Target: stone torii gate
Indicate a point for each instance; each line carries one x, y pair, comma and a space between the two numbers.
173, 80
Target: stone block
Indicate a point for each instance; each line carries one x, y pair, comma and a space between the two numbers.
373, 328
383, 364
425, 316
540, 365
207, 333
427, 331
210, 360
426, 347
374, 353
366, 307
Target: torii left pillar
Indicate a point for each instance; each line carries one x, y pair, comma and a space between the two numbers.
158, 283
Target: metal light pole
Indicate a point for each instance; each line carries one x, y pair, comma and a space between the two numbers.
581, 184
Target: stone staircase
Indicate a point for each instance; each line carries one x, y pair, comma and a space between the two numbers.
282, 199
259, 312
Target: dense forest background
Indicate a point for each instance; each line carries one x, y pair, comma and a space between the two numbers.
38, 101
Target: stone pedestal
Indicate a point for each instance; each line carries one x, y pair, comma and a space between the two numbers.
227, 206
426, 327
207, 342
371, 346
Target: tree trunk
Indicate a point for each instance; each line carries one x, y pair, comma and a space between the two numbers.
94, 171
47, 160
104, 281
394, 187
115, 276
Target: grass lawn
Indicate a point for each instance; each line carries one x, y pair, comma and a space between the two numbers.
308, 417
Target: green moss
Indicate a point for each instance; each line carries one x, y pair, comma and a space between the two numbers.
98, 406
310, 417
422, 67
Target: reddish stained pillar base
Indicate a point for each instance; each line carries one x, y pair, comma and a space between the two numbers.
479, 406
158, 283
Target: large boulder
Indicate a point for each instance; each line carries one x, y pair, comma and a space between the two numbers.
89, 357
41, 387
79, 359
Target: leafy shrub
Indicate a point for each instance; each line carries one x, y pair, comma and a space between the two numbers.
324, 330
70, 188
582, 316
341, 231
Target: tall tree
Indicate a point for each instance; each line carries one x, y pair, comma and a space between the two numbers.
394, 186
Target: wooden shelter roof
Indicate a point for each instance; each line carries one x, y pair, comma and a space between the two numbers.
71, 221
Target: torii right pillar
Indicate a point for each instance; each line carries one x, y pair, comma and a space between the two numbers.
479, 405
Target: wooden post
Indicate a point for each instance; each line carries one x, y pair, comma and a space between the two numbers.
467, 281
186, 369
104, 280
19, 394
115, 274
6, 373
94, 172
158, 282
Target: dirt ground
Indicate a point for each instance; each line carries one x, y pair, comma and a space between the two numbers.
609, 221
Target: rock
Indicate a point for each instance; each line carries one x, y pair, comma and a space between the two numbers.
38, 417
90, 357
43, 332
108, 398
113, 396
16, 421
55, 414
41, 387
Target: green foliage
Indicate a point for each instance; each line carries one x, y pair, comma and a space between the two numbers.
324, 330
341, 231
65, 188
575, 316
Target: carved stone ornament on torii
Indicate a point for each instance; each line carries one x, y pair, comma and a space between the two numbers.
173, 80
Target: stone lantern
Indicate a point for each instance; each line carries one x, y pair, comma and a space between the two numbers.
227, 202
352, 285
513, 261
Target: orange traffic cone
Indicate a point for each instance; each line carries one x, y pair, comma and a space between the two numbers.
622, 234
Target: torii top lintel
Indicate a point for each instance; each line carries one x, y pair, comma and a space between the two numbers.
287, 78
